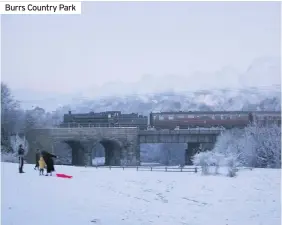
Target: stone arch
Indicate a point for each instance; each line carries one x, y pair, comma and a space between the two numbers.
78, 152
113, 151
64, 151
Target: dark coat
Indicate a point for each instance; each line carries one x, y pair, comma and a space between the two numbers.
37, 157
21, 151
48, 158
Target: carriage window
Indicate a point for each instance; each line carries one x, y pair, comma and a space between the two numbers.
191, 116
180, 116
109, 115
170, 117
213, 117
203, 117
161, 118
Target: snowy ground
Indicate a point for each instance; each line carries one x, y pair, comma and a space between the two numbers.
130, 197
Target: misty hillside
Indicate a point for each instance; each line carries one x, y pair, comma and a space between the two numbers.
256, 88
225, 99
262, 72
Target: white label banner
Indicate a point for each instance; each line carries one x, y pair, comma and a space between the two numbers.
40, 7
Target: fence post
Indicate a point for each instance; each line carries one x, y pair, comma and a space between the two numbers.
151, 168
165, 169
110, 167
181, 169
123, 167
196, 170
137, 168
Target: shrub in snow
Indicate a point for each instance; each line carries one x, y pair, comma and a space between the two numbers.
16, 140
217, 160
123, 162
9, 157
208, 160
232, 164
204, 160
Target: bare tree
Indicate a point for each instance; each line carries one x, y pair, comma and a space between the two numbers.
10, 111
37, 118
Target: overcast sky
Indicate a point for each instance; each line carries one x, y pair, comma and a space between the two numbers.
124, 41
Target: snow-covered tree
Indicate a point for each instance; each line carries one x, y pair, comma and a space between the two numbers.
262, 146
15, 121
254, 146
204, 160
10, 113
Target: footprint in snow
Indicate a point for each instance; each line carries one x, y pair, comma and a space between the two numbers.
96, 221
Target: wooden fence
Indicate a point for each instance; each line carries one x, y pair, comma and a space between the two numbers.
152, 168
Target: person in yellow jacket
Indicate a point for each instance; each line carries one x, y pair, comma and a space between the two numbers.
42, 165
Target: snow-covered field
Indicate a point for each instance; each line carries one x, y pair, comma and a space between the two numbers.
117, 197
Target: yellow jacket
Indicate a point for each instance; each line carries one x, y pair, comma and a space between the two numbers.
41, 163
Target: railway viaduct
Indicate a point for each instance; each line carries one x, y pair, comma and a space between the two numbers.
120, 143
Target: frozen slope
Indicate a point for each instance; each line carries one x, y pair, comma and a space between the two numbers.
133, 197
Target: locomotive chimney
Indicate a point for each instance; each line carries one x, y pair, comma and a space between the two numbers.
69, 112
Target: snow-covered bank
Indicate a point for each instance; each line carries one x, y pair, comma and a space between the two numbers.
129, 197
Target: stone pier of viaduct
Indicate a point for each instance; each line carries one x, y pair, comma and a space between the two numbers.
120, 144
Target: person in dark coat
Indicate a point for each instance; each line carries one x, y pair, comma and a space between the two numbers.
21, 158
48, 158
37, 157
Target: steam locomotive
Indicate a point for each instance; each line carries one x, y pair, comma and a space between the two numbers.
173, 120
105, 119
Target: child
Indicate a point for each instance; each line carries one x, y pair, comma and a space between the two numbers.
42, 165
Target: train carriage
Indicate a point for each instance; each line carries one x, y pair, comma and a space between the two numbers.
184, 120
265, 118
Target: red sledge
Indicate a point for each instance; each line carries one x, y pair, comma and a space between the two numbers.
61, 175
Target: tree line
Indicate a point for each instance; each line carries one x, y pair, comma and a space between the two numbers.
17, 121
